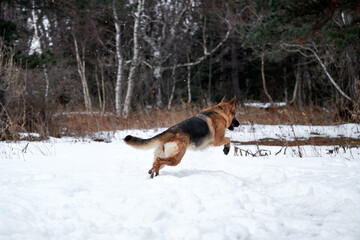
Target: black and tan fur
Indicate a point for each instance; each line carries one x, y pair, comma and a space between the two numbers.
205, 129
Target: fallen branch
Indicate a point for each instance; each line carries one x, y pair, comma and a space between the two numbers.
245, 152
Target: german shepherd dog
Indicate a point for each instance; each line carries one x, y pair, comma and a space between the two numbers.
205, 129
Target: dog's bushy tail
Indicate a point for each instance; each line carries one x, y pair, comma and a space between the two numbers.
146, 143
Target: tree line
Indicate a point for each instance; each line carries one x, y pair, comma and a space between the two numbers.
124, 56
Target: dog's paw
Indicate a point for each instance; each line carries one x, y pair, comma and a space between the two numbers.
153, 173
226, 150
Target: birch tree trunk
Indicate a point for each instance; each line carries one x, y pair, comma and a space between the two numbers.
173, 86
160, 44
157, 68
81, 70
188, 77
157, 85
134, 61
119, 74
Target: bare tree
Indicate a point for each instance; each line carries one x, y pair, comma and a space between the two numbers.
12, 94
36, 46
264, 80
352, 56
235, 74
173, 86
297, 80
188, 81
135, 58
162, 33
101, 86
81, 70
119, 73
301, 49
163, 38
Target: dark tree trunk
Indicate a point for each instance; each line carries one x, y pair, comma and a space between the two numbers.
353, 72
264, 80
235, 75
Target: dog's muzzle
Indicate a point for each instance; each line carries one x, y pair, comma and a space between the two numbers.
234, 123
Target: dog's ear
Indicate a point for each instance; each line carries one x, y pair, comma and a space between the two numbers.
224, 100
232, 101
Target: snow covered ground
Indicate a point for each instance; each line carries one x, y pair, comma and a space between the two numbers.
80, 189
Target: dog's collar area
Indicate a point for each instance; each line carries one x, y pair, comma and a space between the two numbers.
208, 113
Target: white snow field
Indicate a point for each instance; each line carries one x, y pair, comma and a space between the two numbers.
81, 189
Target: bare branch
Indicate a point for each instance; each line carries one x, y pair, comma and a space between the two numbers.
286, 45
206, 53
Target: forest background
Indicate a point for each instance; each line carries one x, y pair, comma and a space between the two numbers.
72, 66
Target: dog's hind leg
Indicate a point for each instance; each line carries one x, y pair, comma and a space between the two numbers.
159, 152
169, 161
174, 151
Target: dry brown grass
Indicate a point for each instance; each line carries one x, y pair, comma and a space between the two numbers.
289, 115
80, 124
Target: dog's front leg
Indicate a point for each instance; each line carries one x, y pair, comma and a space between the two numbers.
226, 149
224, 141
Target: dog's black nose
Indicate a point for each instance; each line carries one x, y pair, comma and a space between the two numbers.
234, 123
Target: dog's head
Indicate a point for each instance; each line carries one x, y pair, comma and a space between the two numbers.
228, 107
